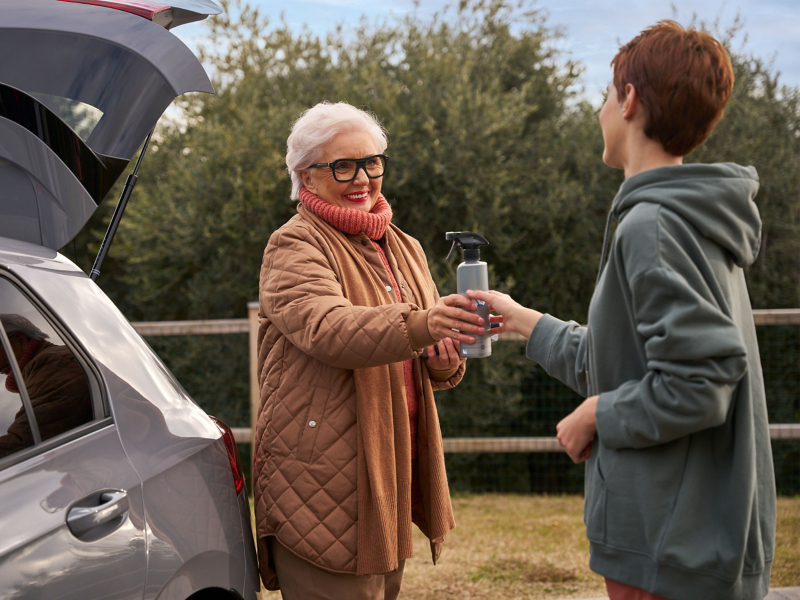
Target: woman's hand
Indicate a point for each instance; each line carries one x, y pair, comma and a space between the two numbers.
515, 317
445, 316
448, 356
577, 430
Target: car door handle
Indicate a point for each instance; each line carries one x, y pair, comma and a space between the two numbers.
85, 518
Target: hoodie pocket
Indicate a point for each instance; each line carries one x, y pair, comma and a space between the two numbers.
594, 509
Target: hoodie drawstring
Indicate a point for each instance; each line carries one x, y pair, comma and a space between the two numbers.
605, 247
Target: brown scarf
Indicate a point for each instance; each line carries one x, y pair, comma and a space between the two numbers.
384, 446
373, 224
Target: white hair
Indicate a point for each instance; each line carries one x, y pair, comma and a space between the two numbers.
317, 126
17, 323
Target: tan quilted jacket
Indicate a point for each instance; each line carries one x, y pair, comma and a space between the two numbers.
314, 343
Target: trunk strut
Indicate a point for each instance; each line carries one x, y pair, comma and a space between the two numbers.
130, 183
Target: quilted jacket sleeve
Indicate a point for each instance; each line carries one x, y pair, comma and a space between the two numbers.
445, 380
301, 295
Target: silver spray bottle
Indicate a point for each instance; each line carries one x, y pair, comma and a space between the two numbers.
473, 274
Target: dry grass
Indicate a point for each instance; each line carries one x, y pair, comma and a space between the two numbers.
511, 547
507, 546
786, 566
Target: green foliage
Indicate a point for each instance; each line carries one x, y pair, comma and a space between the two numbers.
485, 134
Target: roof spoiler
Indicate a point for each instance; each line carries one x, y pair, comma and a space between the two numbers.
168, 14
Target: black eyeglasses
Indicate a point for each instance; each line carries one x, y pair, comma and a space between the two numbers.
346, 169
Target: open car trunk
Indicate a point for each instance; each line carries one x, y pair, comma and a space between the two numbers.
82, 83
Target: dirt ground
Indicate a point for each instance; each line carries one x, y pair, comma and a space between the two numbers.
513, 547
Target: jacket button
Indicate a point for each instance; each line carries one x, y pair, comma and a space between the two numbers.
364, 242
312, 423
388, 288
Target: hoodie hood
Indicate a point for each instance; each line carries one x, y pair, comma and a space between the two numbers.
716, 199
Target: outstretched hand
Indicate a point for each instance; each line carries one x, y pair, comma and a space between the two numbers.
448, 318
514, 317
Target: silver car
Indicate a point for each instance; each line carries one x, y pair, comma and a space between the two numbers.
113, 482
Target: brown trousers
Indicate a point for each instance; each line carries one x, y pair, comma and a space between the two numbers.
623, 591
300, 580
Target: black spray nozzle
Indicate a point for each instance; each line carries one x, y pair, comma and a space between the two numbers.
468, 240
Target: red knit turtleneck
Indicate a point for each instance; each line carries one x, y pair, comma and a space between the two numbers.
373, 224
350, 220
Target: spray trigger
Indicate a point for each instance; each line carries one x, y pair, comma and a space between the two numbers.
467, 240
449, 254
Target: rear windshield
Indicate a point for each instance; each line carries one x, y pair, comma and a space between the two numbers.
81, 117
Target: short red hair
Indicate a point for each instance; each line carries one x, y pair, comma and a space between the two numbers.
684, 79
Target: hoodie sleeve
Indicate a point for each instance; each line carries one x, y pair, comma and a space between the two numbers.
695, 357
560, 348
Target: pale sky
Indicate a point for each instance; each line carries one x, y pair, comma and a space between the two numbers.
594, 28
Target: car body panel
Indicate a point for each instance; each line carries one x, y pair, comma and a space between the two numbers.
39, 555
252, 577
209, 518
192, 516
189, 11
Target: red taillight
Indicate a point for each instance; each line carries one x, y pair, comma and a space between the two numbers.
144, 8
233, 454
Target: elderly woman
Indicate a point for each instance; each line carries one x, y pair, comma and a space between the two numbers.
348, 449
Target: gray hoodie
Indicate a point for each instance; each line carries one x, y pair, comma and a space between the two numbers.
680, 492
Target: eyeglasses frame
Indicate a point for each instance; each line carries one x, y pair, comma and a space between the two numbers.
361, 164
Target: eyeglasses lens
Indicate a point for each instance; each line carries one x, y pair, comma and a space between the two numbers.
345, 170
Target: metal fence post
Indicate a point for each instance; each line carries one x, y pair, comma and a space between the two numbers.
252, 322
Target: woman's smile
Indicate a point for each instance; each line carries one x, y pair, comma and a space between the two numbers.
357, 197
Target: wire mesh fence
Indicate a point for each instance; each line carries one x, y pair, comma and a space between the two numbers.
506, 397
779, 346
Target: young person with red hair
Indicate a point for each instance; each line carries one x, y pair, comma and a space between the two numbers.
680, 491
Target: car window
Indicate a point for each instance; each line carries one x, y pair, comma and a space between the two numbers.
81, 117
54, 384
11, 411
